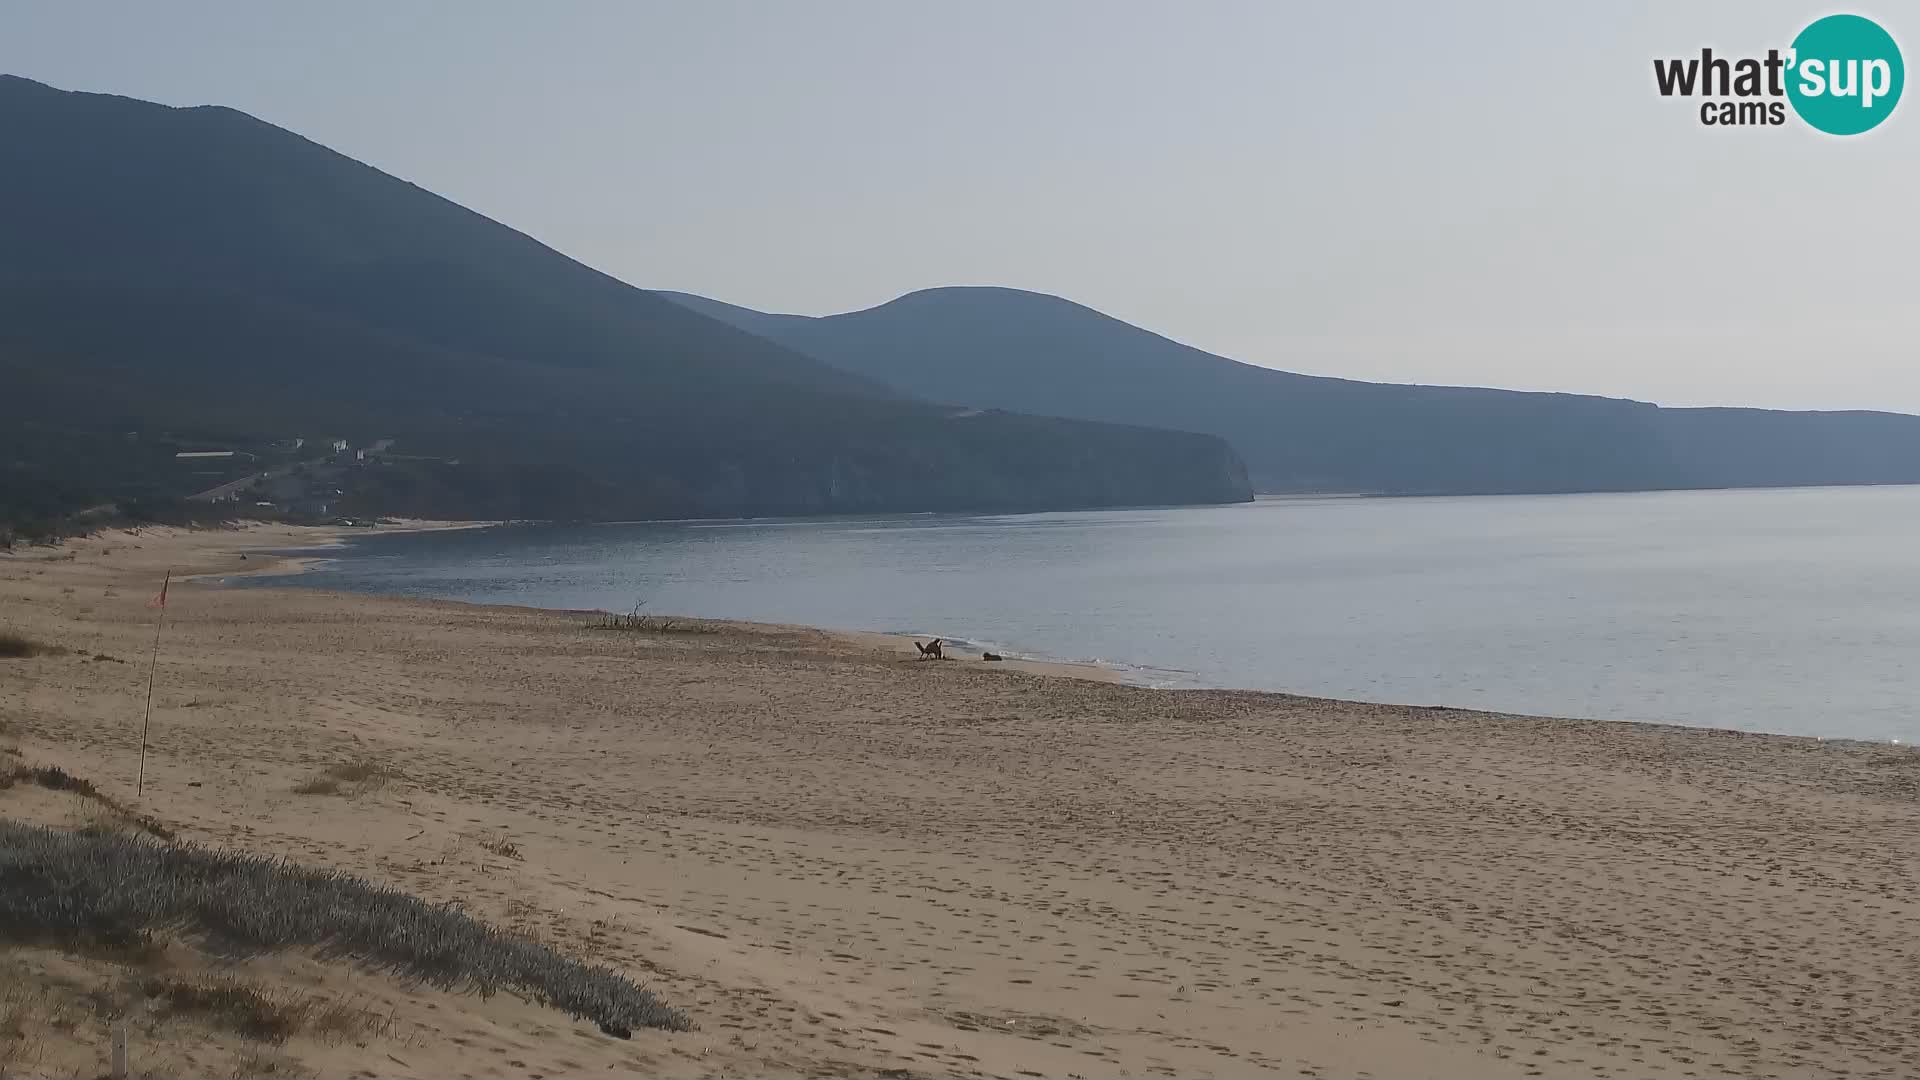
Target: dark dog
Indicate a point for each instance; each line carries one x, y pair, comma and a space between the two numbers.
931, 650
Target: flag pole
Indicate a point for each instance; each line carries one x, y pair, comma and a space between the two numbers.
153, 665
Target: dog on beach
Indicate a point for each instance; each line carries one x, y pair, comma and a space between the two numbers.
931, 650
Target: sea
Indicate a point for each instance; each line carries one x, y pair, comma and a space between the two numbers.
1792, 611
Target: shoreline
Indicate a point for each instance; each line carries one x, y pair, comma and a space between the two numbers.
279, 560
275, 559
271, 559
841, 861
338, 536
901, 644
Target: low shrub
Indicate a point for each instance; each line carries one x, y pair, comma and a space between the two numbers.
353, 778
17, 646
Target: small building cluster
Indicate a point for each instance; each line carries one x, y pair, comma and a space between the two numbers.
301, 477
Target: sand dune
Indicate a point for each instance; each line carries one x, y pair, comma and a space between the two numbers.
842, 861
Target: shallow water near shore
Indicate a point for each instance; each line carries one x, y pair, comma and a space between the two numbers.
1790, 611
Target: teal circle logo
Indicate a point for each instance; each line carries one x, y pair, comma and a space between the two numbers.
1845, 75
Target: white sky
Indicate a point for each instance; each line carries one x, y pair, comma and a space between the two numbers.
1486, 194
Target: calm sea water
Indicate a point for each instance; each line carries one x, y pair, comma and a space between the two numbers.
1794, 611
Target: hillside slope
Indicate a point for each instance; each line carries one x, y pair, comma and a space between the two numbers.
200, 273
1005, 348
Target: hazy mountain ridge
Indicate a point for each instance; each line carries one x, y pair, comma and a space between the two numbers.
1006, 348
201, 272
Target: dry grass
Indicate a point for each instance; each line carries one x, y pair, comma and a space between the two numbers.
54, 778
43, 1014
98, 820
659, 624
230, 1004
51, 777
18, 646
259, 1062
30, 1013
331, 1019
355, 777
215, 701
264, 1015
498, 845
78, 891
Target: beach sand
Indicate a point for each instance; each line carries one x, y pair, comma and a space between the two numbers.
843, 861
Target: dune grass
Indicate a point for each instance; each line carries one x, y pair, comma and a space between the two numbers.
116, 891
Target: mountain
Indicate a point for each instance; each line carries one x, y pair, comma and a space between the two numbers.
1009, 349
195, 276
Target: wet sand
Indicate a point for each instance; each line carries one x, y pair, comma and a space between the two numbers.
842, 860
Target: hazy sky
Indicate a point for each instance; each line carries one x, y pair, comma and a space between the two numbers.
1491, 195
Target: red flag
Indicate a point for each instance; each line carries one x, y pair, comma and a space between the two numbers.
160, 601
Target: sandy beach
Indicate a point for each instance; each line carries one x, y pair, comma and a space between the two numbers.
839, 860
